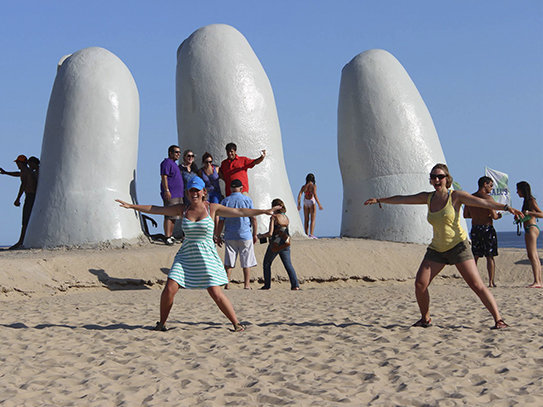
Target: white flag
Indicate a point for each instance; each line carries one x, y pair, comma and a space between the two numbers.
500, 192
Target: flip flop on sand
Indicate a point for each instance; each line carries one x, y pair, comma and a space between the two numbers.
500, 324
239, 328
422, 323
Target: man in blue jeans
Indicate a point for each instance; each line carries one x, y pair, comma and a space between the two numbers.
239, 234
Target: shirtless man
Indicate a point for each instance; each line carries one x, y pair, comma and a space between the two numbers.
29, 184
484, 241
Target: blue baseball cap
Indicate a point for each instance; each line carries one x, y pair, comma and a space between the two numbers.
197, 183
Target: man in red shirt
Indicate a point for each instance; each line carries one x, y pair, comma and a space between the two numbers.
235, 167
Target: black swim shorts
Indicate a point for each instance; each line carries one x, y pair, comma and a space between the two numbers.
484, 242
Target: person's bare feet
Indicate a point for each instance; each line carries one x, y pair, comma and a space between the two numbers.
535, 285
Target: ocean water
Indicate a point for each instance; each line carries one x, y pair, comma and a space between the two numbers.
505, 240
510, 239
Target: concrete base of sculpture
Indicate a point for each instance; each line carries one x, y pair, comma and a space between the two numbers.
89, 155
387, 144
224, 95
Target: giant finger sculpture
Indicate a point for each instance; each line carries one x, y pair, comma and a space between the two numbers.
224, 95
89, 155
387, 144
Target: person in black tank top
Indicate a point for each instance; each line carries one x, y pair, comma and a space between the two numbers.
279, 245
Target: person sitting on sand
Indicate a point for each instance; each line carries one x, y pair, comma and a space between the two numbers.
530, 211
279, 245
197, 264
310, 204
449, 244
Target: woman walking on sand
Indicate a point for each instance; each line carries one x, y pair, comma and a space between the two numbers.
309, 189
197, 264
279, 245
449, 244
530, 211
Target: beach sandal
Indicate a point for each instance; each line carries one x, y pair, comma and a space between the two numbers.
422, 323
239, 328
160, 327
500, 324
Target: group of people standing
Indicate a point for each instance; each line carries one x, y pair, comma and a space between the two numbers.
29, 171
193, 195
484, 241
197, 264
176, 178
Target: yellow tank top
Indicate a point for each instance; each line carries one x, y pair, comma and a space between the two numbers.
446, 223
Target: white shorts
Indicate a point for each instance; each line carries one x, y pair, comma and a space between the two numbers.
246, 252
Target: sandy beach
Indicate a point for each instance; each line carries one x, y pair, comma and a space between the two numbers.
76, 330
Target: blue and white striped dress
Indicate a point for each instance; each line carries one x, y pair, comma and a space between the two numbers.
197, 263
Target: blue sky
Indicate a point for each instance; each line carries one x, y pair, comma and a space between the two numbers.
478, 66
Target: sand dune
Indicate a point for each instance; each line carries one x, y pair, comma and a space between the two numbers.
50, 272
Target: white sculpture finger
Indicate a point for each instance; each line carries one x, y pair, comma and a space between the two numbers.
387, 144
224, 95
89, 154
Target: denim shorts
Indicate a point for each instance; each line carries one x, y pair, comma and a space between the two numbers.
459, 253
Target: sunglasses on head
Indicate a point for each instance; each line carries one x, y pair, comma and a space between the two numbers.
437, 176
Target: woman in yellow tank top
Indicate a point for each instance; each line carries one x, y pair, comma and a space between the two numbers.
449, 244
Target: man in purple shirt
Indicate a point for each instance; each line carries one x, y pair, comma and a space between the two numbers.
171, 188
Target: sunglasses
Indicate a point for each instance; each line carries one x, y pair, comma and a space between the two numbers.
177, 152
190, 155
437, 176
208, 161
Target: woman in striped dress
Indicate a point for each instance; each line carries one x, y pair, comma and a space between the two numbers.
197, 264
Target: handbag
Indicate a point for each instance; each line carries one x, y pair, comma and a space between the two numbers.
280, 241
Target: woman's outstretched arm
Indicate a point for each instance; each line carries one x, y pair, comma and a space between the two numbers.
227, 212
174, 210
416, 199
470, 200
